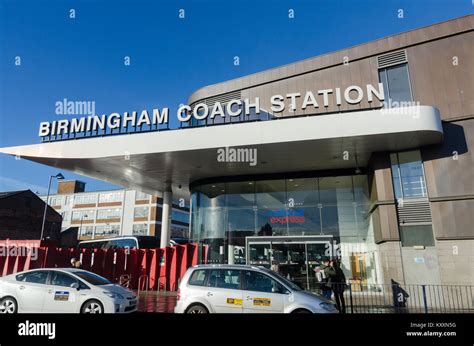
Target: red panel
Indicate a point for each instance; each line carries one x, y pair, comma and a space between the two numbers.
132, 267
181, 262
170, 261
108, 264
3, 259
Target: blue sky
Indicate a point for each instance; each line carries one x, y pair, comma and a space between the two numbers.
82, 58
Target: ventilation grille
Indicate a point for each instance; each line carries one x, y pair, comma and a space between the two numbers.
414, 212
391, 59
223, 98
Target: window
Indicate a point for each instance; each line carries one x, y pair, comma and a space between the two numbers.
396, 83
109, 213
180, 216
140, 229
86, 231
261, 283
69, 201
65, 215
407, 175
85, 199
37, 277
419, 235
141, 212
110, 197
56, 200
92, 278
61, 279
141, 196
83, 215
224, 279
197, 278
107, 230
122, 244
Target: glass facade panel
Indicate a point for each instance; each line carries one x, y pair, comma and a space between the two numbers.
225, 214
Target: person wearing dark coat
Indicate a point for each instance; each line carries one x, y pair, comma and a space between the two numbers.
338, 285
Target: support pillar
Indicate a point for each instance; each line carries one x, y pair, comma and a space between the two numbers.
166, 218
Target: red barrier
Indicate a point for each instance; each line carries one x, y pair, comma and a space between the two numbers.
158, 268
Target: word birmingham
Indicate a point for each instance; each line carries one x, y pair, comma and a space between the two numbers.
278, 103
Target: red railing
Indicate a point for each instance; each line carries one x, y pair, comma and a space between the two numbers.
162, 267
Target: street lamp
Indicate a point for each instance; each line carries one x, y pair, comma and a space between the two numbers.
58, 176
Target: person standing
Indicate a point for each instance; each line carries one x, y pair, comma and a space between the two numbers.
338, 285
326, 274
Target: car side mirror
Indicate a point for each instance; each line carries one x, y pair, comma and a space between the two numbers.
75, 285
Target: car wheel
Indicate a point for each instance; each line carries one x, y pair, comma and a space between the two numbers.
302, 311
8, 306
92, 307
197, 309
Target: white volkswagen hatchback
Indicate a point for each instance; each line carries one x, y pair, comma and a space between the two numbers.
67, 290
245, 289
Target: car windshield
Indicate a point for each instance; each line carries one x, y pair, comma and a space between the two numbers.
289, 283
92, 278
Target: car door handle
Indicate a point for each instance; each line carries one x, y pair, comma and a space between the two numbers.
249, 298
22, 287
209, 294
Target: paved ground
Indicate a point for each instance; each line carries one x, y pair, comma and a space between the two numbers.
152, 302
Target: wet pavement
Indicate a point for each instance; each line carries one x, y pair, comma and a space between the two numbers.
153, 302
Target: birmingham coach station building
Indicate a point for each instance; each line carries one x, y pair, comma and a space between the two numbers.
365, 154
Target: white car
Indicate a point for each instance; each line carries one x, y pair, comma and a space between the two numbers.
244, 289
65, 290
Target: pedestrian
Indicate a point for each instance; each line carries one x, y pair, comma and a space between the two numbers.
78, 264
338, 285
326, 272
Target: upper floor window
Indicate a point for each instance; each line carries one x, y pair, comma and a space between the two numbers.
109, 213
407, 174
85, 199
56, 200
110, 197
396, 84
83, 215
141, 212
141, 195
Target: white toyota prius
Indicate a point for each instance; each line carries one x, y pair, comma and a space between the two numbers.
65, 290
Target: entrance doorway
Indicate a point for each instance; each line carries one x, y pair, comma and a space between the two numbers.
293, 257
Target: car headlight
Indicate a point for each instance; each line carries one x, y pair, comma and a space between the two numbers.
327, 306
113, 295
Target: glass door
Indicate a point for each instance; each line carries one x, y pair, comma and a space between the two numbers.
259, 254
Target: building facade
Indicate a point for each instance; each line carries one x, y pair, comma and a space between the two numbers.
365, 154
110, 213
21, 217
405, 214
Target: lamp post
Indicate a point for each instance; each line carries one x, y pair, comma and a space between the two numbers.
58, 176
80, 226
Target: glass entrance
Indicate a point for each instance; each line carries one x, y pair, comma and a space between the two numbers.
293, 258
